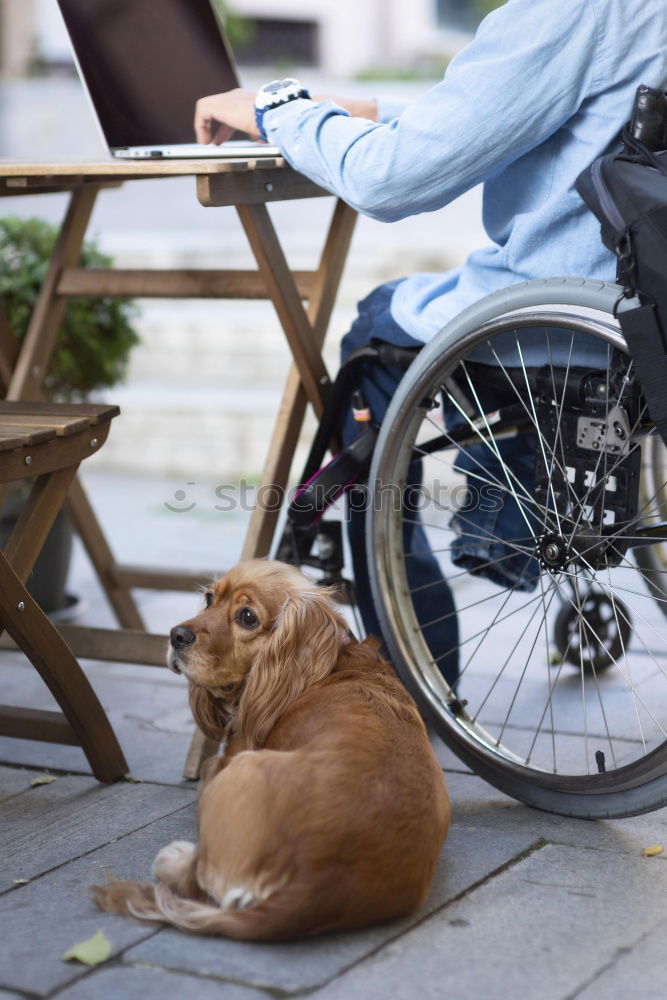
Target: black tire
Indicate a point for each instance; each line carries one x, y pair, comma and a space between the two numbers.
601, 781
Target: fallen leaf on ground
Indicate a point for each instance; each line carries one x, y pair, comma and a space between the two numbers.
94, 951
43, 779
651, 852
20, 881
132, 780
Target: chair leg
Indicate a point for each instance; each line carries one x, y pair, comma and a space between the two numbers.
36, 520
47, 651
201, 748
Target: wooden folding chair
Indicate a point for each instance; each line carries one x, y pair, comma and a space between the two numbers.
49, 441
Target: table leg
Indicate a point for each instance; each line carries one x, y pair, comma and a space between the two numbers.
293, 404
35, 354
286, 300
290, 417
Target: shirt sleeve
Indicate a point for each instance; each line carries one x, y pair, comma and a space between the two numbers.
389, 108
526, 72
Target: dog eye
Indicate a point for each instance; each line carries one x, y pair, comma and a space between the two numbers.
247, 618
208, 597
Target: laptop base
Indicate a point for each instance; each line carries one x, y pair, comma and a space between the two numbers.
235, 149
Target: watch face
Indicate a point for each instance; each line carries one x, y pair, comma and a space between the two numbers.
278, 92
276, 86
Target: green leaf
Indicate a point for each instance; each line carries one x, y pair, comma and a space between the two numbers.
43, 779
94, 951
95, 336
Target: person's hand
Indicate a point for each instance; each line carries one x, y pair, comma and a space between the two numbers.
217, 117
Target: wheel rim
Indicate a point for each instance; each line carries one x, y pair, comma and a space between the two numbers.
525, 711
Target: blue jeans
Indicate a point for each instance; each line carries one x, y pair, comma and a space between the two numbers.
479, 532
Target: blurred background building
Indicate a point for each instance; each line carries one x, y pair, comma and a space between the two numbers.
342, 38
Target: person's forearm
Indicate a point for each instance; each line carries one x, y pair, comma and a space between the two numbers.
356, 107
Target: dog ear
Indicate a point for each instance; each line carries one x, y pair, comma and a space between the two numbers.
303, 649
211, 714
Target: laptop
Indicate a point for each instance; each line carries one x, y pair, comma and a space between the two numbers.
144, 64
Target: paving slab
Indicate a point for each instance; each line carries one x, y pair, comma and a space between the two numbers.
13, 781
477, 804
42, 920
468, 857
640, 972
52, 824
147, 709
540, 929
128, 983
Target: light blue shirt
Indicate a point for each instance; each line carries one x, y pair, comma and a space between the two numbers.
541, 91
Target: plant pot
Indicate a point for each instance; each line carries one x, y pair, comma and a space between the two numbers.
46, 584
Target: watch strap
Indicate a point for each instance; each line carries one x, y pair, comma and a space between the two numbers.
260, 112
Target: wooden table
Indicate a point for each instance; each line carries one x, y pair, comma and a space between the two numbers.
248, 185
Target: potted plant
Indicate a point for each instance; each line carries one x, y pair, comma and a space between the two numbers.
91, 353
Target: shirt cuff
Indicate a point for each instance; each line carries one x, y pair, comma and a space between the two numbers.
276, 117
389, 108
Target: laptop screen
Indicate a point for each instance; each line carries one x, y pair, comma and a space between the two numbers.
146, 63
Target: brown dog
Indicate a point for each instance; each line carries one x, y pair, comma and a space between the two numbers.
328, 809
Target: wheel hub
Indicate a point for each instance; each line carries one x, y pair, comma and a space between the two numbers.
552, 552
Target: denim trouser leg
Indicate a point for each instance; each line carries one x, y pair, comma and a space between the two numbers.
434, 602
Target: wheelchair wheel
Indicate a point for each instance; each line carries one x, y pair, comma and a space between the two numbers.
561, 697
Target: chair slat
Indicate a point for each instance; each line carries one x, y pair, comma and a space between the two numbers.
94, 412
62, 425
11, 438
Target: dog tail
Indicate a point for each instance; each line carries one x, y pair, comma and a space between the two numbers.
272, 919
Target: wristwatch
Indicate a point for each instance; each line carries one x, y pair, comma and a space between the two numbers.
273, 94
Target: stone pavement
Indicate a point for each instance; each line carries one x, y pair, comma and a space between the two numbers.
524, 904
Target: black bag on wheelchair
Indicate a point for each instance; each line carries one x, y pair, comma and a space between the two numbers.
627, 191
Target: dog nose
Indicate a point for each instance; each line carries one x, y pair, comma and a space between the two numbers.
181, 636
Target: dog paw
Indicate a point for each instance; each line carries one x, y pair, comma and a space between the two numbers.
173, 860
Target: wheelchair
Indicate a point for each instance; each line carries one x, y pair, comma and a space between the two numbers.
561, 699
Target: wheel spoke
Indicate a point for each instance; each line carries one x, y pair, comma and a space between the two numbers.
528, 659
628, 680
507, 472
549, 704
456, 576
470, 638
504, 667
485, 480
